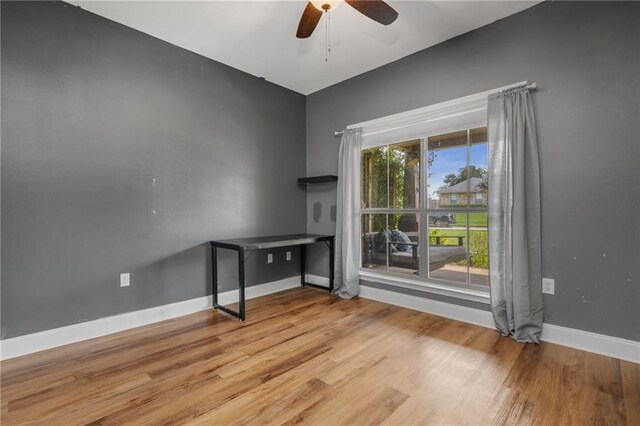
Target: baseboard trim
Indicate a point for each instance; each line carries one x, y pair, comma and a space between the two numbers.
442, 309
317, 280
36, 342
614, 347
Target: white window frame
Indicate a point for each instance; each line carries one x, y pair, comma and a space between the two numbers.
463, 113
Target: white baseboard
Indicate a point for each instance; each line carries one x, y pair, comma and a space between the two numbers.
442, 309
35, 342
317, 280
615, 347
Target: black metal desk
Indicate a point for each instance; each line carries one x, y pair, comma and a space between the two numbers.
242, 244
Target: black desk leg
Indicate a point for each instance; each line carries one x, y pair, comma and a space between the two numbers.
214, 274
303, 267
332, 250
241, 281
214, 283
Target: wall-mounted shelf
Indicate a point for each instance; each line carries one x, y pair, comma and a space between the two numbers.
317, 179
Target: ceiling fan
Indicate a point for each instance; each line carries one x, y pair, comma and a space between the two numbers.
377, 10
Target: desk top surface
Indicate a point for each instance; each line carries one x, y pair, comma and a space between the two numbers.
271, 241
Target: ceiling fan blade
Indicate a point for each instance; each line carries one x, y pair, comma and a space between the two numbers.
377, 10
308, 21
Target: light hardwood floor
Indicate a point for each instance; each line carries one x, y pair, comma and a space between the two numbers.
305, 357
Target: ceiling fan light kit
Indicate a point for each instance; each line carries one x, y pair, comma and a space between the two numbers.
325, 5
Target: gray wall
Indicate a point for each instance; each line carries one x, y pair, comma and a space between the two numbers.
585, 59
123, 153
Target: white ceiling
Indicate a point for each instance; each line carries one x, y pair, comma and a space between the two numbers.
258, 37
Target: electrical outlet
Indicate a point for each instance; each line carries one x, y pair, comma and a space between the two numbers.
549, 286
288, 255
270, 258
125, 280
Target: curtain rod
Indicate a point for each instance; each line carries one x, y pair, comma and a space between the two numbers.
531, 86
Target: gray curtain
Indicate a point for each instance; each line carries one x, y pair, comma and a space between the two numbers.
347, 254
514, 216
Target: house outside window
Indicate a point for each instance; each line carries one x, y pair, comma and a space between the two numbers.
457, 194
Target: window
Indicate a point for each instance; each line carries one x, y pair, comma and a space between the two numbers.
391, 200
424, 208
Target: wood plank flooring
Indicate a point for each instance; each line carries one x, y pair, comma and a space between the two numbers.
305, 357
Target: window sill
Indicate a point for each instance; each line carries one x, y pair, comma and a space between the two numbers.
427, 287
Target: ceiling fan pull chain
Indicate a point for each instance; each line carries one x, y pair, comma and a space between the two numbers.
326, 36
329, 33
